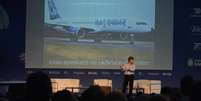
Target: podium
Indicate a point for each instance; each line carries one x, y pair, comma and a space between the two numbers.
72, 85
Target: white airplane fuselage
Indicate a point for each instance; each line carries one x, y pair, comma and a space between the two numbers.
105, 24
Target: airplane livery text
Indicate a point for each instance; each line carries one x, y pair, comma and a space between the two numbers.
110, 22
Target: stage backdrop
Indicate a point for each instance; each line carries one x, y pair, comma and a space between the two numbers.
186, 48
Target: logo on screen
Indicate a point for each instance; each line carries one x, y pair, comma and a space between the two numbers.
196, 12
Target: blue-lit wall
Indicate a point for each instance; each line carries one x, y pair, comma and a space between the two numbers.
186, 51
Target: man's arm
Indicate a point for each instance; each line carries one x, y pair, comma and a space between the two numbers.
132, 69
123, 67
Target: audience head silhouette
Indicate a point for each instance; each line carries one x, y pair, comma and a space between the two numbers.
196, 91
93, 93
38, 87
116, 96
141, 98
64, 95
158, 98
186, 85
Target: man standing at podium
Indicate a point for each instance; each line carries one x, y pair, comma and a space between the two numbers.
128, 70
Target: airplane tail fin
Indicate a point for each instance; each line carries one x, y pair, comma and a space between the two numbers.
53, 13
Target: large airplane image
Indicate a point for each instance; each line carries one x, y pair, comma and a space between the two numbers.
123, 27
